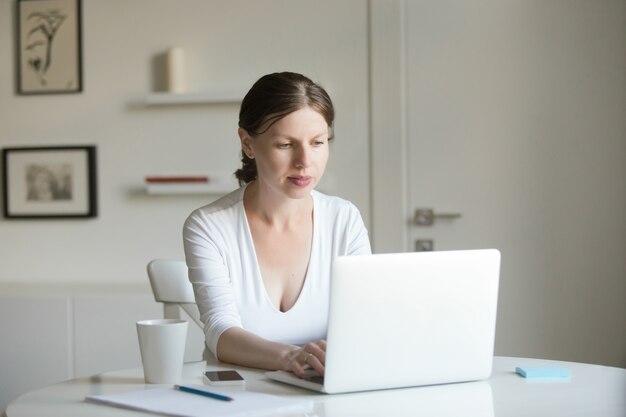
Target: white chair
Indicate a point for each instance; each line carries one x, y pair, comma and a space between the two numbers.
171, 286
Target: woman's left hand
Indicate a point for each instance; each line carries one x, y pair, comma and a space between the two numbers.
311, 355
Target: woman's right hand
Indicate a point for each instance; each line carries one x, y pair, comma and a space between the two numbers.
311, 355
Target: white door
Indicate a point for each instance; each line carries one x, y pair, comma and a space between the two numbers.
514, 116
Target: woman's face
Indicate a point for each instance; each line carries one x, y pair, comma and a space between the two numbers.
291, 155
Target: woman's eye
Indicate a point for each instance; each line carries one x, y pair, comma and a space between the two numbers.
284, 145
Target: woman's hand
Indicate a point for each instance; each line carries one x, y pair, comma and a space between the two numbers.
311, 355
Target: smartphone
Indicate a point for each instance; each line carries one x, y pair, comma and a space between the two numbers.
223, 378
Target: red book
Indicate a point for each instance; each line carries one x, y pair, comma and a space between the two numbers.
176, 179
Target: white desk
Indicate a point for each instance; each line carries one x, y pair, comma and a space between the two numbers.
592, 391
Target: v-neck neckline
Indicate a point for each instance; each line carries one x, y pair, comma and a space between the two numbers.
258, 276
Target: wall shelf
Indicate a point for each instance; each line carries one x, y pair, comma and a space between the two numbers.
189, 189
168, 99
190, 185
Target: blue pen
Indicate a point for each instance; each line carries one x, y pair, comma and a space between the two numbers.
202, 392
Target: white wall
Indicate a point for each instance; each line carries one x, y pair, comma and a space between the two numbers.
229, 45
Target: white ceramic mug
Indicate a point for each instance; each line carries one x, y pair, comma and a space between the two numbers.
162, 347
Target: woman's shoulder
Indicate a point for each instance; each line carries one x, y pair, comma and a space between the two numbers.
223, 206
333, 204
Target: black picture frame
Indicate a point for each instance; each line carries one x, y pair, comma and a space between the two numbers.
51, 182
49, 47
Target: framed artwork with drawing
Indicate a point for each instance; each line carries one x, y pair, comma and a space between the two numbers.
49, 46
49, 182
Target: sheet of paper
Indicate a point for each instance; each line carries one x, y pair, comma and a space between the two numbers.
177, 403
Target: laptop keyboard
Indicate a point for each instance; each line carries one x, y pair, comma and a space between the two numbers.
311, 375
318, 379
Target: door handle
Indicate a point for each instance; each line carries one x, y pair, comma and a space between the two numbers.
426, 217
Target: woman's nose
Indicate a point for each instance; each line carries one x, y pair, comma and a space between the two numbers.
302, 158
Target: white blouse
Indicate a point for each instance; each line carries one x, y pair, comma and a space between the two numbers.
226, 277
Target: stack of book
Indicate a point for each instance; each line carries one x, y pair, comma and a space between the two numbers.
199, 184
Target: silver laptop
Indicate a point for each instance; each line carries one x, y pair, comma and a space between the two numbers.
408, 319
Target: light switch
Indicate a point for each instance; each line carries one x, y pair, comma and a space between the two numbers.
424, 245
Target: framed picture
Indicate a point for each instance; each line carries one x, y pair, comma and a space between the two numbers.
49, 46
49, 182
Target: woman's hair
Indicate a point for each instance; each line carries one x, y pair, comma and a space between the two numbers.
273, 97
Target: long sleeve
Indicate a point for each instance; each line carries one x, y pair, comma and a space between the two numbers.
211, 239
210, 277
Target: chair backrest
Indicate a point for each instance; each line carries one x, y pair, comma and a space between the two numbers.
171, 286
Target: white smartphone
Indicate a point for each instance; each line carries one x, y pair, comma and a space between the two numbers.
223, 378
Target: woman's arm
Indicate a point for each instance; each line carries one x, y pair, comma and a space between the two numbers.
241, 347
358, 239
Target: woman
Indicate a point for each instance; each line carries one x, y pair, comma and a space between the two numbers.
260, 258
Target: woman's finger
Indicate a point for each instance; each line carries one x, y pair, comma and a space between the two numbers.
318, 350
296, 362
314, 362
311, 355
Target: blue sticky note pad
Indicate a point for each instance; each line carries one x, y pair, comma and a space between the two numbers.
537, 372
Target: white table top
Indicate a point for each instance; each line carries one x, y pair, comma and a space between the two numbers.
593, 390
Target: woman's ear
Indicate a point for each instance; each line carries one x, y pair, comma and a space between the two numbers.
246, 142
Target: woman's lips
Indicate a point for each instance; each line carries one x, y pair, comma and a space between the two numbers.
300, 181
